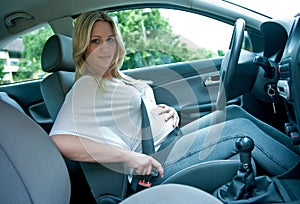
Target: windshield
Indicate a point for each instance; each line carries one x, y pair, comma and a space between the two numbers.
272, 8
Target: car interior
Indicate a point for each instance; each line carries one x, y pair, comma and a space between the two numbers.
259, 84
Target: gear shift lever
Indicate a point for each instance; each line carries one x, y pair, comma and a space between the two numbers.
243, 184
245, 173
245, 145
245, 188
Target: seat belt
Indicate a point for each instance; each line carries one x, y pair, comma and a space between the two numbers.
147, 137
142, 182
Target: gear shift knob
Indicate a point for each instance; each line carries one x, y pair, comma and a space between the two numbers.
243, 185
245, 145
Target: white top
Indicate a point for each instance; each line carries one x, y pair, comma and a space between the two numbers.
110, 115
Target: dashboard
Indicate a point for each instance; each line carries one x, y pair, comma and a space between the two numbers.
288, 84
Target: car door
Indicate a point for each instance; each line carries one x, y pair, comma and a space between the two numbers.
182, 62
190, 87
184, 73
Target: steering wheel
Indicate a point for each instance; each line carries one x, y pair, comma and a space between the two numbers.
229, 65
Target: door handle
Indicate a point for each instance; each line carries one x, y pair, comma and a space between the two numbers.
212, 80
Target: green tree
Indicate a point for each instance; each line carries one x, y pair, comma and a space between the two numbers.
149, 39
2, 74
33, 43
221, 53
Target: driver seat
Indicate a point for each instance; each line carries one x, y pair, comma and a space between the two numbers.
57, 60
93, 177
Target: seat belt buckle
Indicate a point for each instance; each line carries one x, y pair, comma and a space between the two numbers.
145, 181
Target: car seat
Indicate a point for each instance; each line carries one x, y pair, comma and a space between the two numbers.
57, 60
4, 97
33, 171
31, 168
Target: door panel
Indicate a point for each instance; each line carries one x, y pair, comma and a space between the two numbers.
184, 86
25, 93
190, 87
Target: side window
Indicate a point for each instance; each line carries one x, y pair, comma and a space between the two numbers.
20, 60
163, 36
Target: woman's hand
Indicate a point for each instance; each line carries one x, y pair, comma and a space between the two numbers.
144, 164
82, 149
170, 113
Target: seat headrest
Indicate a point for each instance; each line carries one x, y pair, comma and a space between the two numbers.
57, 54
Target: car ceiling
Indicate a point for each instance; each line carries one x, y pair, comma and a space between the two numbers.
19, 16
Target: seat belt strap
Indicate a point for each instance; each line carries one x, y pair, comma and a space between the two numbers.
147, 137
142, 182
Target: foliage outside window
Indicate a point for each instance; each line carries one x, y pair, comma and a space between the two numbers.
149, 40
2, 74
33, 43
28, 61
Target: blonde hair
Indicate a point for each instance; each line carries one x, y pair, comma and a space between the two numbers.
81, 39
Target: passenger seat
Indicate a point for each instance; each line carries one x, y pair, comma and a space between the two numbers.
31, 168
4, 97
